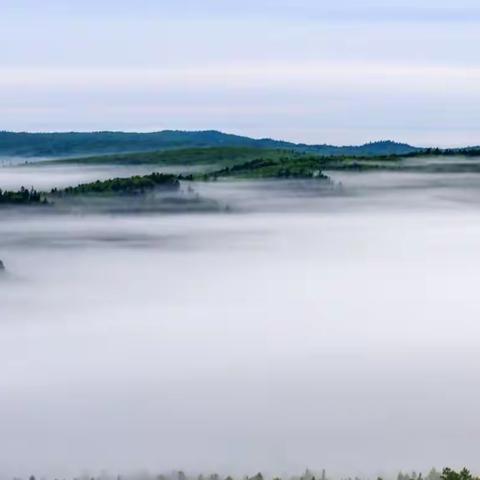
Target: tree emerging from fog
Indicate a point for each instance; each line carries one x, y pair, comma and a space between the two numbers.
23, 196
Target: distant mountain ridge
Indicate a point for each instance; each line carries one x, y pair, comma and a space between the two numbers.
85, 143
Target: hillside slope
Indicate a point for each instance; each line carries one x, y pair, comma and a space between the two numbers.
99, 143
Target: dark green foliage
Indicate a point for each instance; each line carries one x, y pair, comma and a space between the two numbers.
188, 156
78, 143
22, 197
282, 168
438, 152
234, 159
464, 474
123, 186
467, 152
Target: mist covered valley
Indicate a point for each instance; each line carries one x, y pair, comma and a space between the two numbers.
300, 327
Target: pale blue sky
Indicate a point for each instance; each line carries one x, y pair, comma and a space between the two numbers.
339, 71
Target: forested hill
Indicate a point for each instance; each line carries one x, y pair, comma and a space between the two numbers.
89, 143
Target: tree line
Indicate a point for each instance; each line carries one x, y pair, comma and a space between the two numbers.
24, 196
433, 474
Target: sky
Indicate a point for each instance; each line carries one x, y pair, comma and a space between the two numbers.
317, 71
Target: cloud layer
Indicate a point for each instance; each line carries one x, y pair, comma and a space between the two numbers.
343, 72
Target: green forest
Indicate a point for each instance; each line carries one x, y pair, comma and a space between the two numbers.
23, 196
135, 185
56, 144
236, 163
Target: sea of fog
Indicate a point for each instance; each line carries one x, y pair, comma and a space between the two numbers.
304, 328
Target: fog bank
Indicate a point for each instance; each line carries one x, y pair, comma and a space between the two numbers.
333, 331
